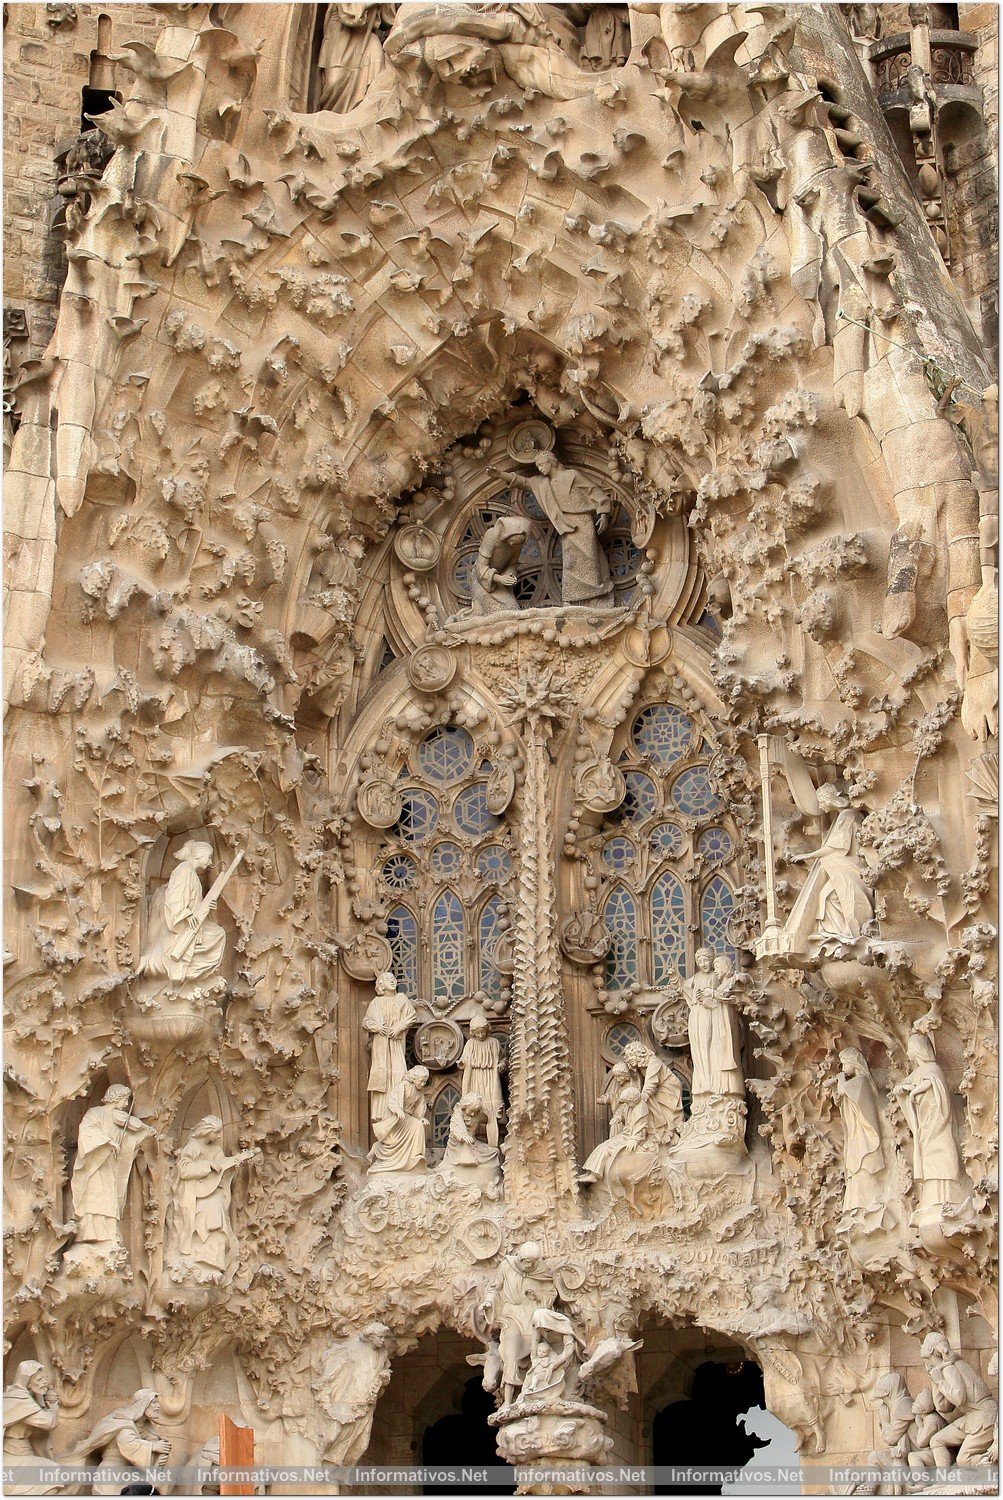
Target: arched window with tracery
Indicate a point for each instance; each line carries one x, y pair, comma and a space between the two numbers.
445, 867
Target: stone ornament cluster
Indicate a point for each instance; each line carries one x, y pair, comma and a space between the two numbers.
501, 745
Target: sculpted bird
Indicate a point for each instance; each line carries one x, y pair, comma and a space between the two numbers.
147, 63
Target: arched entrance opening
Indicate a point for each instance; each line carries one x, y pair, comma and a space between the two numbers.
435, 1412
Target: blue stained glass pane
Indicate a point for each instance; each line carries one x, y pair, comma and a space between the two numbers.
641, 798
532, 506
399, 872
716, 910
619, 1037
662, 733
715, 845
445, 754
488, 977
621, 919
624, 558
667, 840
470, 811
402, 935
463, 572
618, 855
494, 862
693, 794
418, 818
445, 1102
446, 860
447, 949
668, 929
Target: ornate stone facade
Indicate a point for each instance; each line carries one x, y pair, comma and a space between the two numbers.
501, 739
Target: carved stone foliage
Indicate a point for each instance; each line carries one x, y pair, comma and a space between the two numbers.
501, 739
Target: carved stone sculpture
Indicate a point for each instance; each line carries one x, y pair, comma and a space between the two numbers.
466, 1159
552, 1373
713, 1028
351, 53
107, 1142
30, 1411
661, 1092
834, 903
578, 511
926, 1104
630, 1150
494, 575
400, 1131
964, 1400
607, 38
127, 1438
184, 945
203, 1183
481, 1061
863, 1151
352, 1375
388, 1020
525, 1285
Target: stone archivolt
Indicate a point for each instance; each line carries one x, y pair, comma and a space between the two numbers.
499, 531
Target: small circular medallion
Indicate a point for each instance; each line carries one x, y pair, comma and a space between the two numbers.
431, 668
500, 788
379, 803
438, 1044
530, 438
483, 1238
366, 956
646, 648
585, 938
668, 1022
600, 785
417, 547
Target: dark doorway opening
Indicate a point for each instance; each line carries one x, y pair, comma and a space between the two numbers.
463, 1438
704, 1431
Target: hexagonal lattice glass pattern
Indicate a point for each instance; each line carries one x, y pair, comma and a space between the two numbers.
399, 872
662, 734
402, 935
618, 855
448, 949
693, 794
494, 862
668, 929
445, 754
666, 840
443, 1105
470, 811
715, 845
717, 906
620, 917
446, 860
419, 815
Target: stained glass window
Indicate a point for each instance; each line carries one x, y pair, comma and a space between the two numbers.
618, 855
641, 798
489, 978
470, 811
619, 1037
621, 919
668, 928
448, 980
494, 862
446, 860
443, 1105
445, 754
402, 935
716, 910
693, 794
666, 840
715, 845
400, 872
419, 815
662, 733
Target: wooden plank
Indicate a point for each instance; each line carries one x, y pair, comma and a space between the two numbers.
236, 1451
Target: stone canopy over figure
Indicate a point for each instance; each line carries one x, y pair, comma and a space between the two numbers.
579, 511
107, 1142
388, 1020
203, 1183
184, 945
351, 54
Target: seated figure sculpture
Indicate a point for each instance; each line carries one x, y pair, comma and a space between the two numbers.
184, 945
467, 1160
400, 1133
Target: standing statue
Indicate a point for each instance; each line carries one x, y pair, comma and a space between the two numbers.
481, 1062
126, 1437
525, 1285
400, 1132
352, 1377
387, 1020
468, 1160
926, 1104
185, 945
351, 54
30, 1408
963, 1398
834, 903
578, 510
712, 1028
107, 1142
893, 1405
203, 1182
494, 574
606, 43
661, 1092
863, 1152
